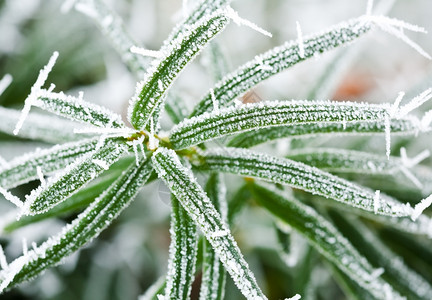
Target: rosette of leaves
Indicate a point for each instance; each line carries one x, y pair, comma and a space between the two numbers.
100, 167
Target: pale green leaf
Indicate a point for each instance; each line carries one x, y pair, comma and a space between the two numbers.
182, 254
325, 238
152, 90
184, 186
298, 175
81, 231
24, 168
75, 176
279, 59
252, 116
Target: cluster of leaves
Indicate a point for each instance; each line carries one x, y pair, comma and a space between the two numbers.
104, 165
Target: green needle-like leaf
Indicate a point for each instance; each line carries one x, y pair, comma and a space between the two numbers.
74, 177
82, 230
298, 175
40, 127
77, 201
396, 272
214, 275
325, 238
152, 91
255, 137
252, 116
279, 59
112, 27
24, 168
183, 252
77, 110
185, 188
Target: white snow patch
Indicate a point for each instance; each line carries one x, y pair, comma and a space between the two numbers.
101, 163
376, 202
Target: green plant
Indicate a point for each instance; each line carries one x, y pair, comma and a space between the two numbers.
103, 167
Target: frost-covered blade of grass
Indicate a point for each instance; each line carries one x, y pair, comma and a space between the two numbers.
279, 59
214, 275
396, 272
82, 230
77, 109
39, 127
185, 188
325, 238
24, 168
182, 254
255, 137
75, 176
150, 93
112, 27
298, 175
252, 116
77, 201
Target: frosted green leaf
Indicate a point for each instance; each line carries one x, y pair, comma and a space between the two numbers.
214, 275
77, 201
255, 137
279, 59
23, 169
39, 127
150, 93
182, 254
349, 161
325, 238
77, 109
298, 175
75, 176
112, 27
88, 225
396, 272
201, 9
194, 200
251, 116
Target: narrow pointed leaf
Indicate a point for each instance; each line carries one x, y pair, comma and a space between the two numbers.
74, 177
252, 116
325, 238
184, 186
81, 231
279, 59
77, 110
24, 168
112, 27
396, 272
255, 137
182, 254
350, 161
39, 127
298, 175
77, 201
152, 90
200, 10
214, 275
